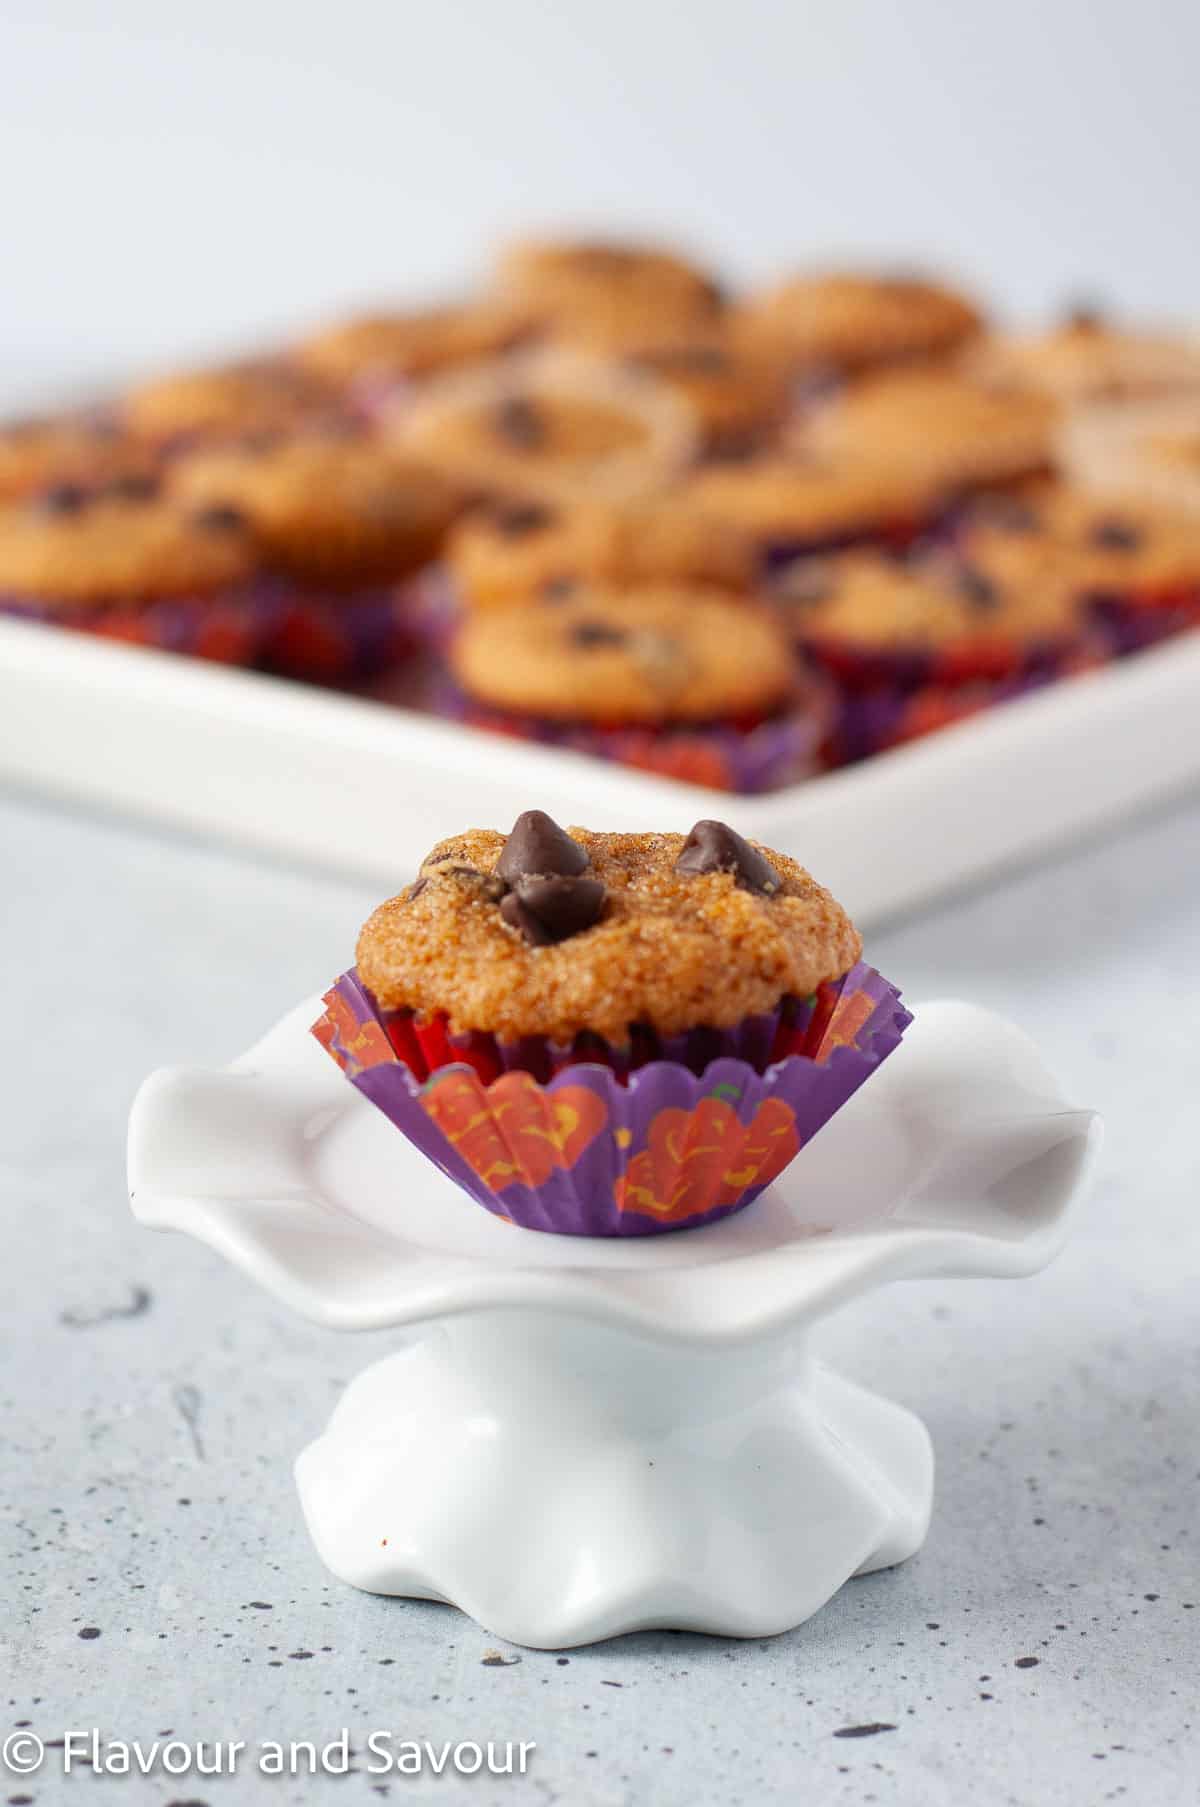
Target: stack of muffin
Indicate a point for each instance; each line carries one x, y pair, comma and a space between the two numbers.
604, 505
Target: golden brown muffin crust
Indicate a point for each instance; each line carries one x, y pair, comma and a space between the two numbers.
263, 394
673, 950
810, 496
416, 343
110, 549
658, 654
848, 320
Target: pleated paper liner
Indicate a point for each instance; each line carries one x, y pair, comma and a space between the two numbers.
589, 1140
330, 638
232, 627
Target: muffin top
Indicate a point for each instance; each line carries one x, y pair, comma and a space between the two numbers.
265, 394
1088, 358
70, 548
530, 549
79, 449
846, 321
1096, 544
617, 656
387, 346
1144, 452
938, 601
334, 510
552, 934
622, 285
944, 430
810, 496
552, 425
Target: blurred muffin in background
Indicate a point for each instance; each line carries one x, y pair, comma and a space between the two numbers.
531, 550
1146, 452
554, 425
606, 286
915, 644
132, 565
225, 402
847, 321
809, 502
1088, 358
685, 680
370, 353
947, 433
1134, 566
84, 449
341, 519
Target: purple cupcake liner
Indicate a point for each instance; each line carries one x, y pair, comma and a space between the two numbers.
326, 637
718, 755
591, 1154
230, 627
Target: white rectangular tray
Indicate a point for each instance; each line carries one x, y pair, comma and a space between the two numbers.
368, 788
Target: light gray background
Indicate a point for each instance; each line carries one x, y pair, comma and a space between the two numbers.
177, 176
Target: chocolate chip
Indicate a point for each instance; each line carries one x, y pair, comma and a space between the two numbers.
138, 486
520, 518
521, 423
977, 589
557, 589
539, 848
1114, 535
596, 633
805, 582
546, 910
715, 847
1083, 316
220, 517
416, 888
63, 498
488, 885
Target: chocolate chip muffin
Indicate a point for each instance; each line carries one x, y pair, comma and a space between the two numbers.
661, 654
1145, 452
689, 682
385, 348
945, 433
847, 321
137, 567
1087, 358
336, 511
813, 501
609, 1034
529, 550
554, 426
87, 450
609, 286
264, 395
549, 934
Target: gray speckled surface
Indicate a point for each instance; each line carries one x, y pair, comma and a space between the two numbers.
146, 1489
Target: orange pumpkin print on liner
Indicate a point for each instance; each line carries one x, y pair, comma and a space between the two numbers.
699, 1160
513, 1131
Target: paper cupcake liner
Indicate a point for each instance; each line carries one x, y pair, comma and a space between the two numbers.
593, 1151
856, 667
1133, 621
722, 756
330, 639
230, 628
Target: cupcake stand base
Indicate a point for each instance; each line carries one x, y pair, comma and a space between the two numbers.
579, 1438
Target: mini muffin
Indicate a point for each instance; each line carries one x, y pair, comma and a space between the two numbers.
1147, 452
846, 321
228, 401
554, 426
690, 681
631, 288
340, 519
740, 392
527, 550
812, 502
137, 567
945, 432
375, 351
1135, 567
1087, 358
609, 1034
84, 449
918, 643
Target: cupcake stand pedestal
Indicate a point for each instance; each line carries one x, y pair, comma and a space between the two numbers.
583, 1437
